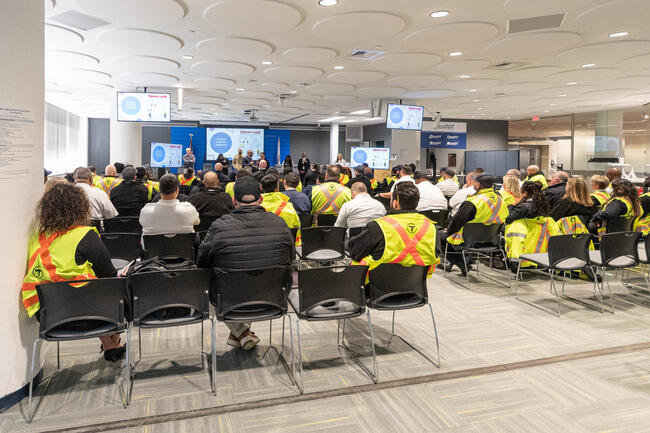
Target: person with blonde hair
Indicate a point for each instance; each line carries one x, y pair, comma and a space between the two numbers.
599, 185
511, 190
575, 209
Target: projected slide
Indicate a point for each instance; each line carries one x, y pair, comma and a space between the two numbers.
375, 157
165, 155
143, 107
404, 117
229, 140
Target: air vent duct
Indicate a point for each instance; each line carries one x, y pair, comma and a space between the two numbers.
78, 20
365, 54
535, 23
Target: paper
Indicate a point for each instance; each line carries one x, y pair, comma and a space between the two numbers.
17, 132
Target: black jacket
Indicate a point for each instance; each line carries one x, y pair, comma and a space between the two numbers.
362, 179
566, 208
310, 178
554, 193
129, 197
247, 238
211, 203
303, 166
522, 210
259, 174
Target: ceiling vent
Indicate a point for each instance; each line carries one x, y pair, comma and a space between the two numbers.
506, 66
535, 23
78, 20
365, 54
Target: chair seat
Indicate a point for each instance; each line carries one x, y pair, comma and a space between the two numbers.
542, 259
327, 310
324, 255
619, 262
481, 249
119, 263
400, 302
64, 332
257, 315
643, 256
538, 258
151, 321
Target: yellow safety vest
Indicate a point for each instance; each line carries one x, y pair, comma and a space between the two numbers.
52, 259
537, 178
96, 179
299, 187
529, 236
107, 184
183, 181
601, 197
344, 179
629, 213
280, 205
642, 225
328, 198
390, 180
490, 209
230, 189
455, 179
508, 198
409, 239
373, 183
572, 225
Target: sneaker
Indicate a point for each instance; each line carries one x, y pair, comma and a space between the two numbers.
248, 340
233, 341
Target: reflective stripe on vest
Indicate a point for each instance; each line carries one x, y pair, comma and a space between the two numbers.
330, 199
495, 208
543, 237
108, 188
409, 243
280, 208
601, 197
186, 181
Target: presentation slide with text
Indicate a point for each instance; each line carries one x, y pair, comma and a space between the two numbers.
228, 141
375, 157
166, 155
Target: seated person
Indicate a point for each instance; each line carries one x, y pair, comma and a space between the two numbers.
599, 185
238, 175
613, 174
278, 203
101, 207
431, 198
359, 211
531, 204
405, 236
109, 181
169, 215
261, 172
454, 177
328, 197
574, 211
130, 196
534, 174
510, 190
368, 172
619, 211
188, 180
557, 188
360, 176
298, 199
311, 176
642, 223
448, 185
65, 248
211, 202
468, 189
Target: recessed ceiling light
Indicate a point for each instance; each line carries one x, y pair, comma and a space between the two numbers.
465, 76
438, 14
618, 34
332, 119
456, 53
360, 112
472, 90
645, 116
546, 111
294, 91
328, 3
552, 105
561, 96
187, 57
571, 83
239, 89
475, 100
267, 62
588, 65
480, 108
338, 67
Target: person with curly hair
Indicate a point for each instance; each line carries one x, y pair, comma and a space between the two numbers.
64, 247
530, 204
619, 211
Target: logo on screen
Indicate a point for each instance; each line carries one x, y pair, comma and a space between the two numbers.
396, 115
131, 105
360, 156
159, 154
220, 142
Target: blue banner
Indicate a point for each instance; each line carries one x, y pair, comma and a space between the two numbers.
443, 140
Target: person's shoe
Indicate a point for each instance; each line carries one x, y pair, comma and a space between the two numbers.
464, 270
233, 341
114, 355
248, 340
448, 267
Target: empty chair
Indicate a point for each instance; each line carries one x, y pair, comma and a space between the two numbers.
123, 225
306, 220
324, 220
175, 249
168, 298
323, 244
123, 247
78, 310
394, 287
331, 293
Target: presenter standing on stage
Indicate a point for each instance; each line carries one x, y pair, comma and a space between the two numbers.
189, 159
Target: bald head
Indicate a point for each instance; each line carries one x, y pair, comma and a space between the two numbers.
358, 188
263, 164
532, 170
210, 179
218, 167
110, 170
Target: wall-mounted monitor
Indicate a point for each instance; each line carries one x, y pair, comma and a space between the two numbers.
228, 141
375, 157
143, 107
405, 117
166, 155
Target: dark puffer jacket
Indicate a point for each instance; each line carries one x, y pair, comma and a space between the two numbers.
248, 238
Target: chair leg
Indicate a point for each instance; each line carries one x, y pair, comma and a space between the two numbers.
597, 289
213, 364
58, 356
293, 357
375, 377
300, 382
129, 372
435, 331
609, 289
517, 276
202, 348
30, 416
554, 290
437, 364
466, 270
139, 344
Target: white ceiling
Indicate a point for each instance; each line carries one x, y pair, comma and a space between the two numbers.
229, 39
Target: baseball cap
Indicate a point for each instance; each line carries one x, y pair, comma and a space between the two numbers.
47, 172
247, 185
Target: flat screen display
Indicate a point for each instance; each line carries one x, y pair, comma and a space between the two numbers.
375, 157
404, 117
143, 107
228, 141
166, 155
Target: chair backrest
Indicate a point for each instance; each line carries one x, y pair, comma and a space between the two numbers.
122, 225
354, 231
97, 224
99, 300
125, 246
326, 220
563, 249
294, 233
201, 235
327, 284
647, 247
205, 223
394, 284
170, 246
476, 234
155, 291
620, 250
249, 290
619, 224
306, 220
323, 238
437, 216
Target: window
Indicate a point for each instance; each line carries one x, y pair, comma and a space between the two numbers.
65, 140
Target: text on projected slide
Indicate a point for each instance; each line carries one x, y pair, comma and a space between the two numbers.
143, 107
228, 141
165, 155
375, 157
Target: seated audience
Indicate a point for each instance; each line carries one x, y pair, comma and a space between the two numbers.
219, 170
444, 170
361, 209
557, 189
119, 167
101, 207
311, 176
642, 223
169, 215
211, 202
367, 171
534, 174
359, 176
247, 238
261, 172
531, 201
65, 248
238, 175
573, 211
619, 211
599, 185
328, 197
345, 175
96, 177
276, 202
448, 185
510, 190
405, 175
298, 199
459, 197
130, 196
431, 198
109, 181
188, 179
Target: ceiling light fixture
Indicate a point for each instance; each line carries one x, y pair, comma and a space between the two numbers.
561, 96
472, 90
358, 112
187, 57
328, 3
439, 14
588, 65
239, 89
267, 62
571, 83
332, 119
552, 105
338, 67
465, 76
618, 34
546, 111
475, 100
455, 53
293, 92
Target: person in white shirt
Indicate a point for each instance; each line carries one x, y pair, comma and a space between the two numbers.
101, 207
448, 186
168, 216
463, 193
431, 198
340, 161
361, 209
405, 175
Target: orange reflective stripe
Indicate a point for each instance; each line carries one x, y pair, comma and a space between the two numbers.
185, 181
280, 208
330, 203
410, 244
543, 235
566, 226
494, 218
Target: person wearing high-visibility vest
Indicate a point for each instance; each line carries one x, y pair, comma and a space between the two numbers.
230, 186
344, 179
328, 197
642, 223
535, 175
485, 206
405, 175
188, 178
278, 203
453, 177
93, 171
511, 190
367, 171
620, 211
574, 211
109, 181
599, 185
404, 236
65, 248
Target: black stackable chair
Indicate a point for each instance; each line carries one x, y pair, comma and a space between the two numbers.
439, 217
119, 224
174, 249
323, 244
123, 247
323, 220
354, 231
306, 220
79, 310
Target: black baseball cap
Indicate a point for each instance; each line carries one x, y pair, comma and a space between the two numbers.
247, 185
46, 172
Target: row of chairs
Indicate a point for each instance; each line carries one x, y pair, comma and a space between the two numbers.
177, 298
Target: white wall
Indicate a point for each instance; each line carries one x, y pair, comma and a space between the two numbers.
406, 144
21, 86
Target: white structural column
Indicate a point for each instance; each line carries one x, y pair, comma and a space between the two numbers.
21, 172
126, 139
334, 141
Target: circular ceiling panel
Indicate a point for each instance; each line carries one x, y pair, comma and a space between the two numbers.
213, 67
233, 49
205, 93
416, 81
214, 83
145, 63
639, 63
309, 55
357, 27
615, 16
569, 91
585, 75
607, 53
471, 84
59, 37
77, 75
406, 61
538, 8
149, 79
132, 13
340, 98
609, 93
329, 89
640, 82
293, 73
202, 100
428, 94
514, 88
520, 47
253, 94
462, 66
356, 77
251, 17
382, 92
275, 87
534, 72
139, 41
249, 101
452, 36
57, 59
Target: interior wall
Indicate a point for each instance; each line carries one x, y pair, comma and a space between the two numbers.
99, 143
378, 132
